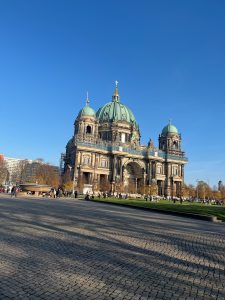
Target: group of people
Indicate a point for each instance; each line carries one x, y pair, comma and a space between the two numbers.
58, 193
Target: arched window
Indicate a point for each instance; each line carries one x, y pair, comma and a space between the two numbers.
88, 129
175, 145
123, 137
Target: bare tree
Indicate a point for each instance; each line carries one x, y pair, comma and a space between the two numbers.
119, 187
95, 186
131, 187
19, 173
188, 191
203, 190
80, 184
67, 182
105, 186
46, 174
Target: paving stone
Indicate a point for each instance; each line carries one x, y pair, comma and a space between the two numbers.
72, 249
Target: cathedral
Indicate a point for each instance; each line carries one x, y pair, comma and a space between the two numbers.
105, 153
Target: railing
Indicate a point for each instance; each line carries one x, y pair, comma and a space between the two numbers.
139, 152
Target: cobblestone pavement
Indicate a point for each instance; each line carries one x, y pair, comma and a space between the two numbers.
71, 249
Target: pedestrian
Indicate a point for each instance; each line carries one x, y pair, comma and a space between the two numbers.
75, 194
13, 191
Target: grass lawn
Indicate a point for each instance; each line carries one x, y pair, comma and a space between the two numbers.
185, 207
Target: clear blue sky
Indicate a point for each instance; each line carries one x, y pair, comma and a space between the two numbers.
168, 56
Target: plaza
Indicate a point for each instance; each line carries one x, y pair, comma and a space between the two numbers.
75, 249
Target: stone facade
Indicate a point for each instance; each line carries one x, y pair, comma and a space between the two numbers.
105, 150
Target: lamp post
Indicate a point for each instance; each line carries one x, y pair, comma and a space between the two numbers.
136, 184
70, 168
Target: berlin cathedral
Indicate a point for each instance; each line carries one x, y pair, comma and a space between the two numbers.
105, 150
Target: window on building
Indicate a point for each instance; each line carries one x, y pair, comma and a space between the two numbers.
86, 160
175, 171
103, 163
159, 169
88, 129
175, 145
123, 137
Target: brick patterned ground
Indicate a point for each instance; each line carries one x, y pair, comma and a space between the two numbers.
71, 249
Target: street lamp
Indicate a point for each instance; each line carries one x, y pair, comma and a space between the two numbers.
70, 168
136, 184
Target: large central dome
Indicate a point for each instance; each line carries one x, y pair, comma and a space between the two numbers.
115, 111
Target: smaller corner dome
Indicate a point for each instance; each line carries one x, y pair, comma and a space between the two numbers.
169, 129
87, 111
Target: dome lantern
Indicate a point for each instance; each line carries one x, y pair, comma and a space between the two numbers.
116, 97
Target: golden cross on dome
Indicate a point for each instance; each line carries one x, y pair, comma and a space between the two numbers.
115, 96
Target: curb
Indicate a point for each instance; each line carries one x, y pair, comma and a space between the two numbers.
169, 212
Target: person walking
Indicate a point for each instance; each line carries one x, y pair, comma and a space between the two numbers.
13, 191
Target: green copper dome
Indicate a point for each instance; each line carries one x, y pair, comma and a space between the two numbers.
169, 129
87, 111
116, 111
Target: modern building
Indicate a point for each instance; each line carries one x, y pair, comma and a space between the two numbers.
24, 170
105, 148
12, 165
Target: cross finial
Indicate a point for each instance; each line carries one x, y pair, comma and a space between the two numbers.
170, 121
116, 96
87, 100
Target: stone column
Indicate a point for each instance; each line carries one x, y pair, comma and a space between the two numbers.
154, 169
114, 173
121, 169
163, 188
144, 177
114, 167
76, 169
168, 180
149, 169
